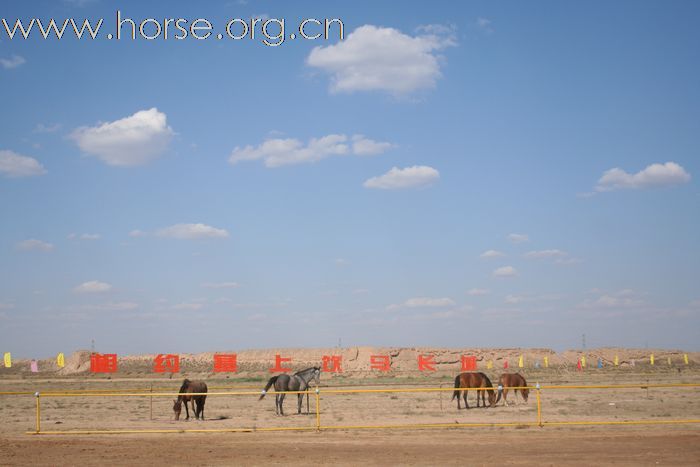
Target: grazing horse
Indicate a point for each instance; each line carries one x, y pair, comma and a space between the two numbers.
474, 380
512, 380
299, 381
186, 388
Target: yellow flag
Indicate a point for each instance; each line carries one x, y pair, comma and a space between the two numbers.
8, 360
651, 359
520, 362
489, 364
546, 362
616, 360
60, 360
685, 358
583, 361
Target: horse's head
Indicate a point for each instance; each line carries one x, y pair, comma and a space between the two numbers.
177, 408
492, 398
317, 375
525, 392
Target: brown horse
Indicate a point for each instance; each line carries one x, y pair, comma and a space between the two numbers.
474, 380
186, 388
512, 380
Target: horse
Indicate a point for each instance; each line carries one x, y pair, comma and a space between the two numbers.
191, 387
474, 380
299, 381
512, 380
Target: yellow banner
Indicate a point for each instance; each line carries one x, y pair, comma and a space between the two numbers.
8, 360
583, 361
60, 360
489, 365
520, 362
651, 359
616, 361
685, 358
546, 362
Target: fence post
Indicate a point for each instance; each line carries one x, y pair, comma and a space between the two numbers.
318, 410
151, 401
38, 411
539, 406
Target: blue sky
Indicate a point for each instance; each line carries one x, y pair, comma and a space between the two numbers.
450, 174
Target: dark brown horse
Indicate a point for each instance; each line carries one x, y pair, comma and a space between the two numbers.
513, 381
474, 380
189, 387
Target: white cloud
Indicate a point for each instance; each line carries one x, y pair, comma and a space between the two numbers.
187, 306
137, 233
34, 244
131, 141
192, 231
654, 175
484, 24
278, 152
423, 302
518, 238
12, 62
17, 165
6, 306
515, 299
410, 177
85, 236
52, 128
492, 254
476, 292
622, 299
505, 271
374, 58
93, 287
221, 285
341, 262
362, 146
541, 254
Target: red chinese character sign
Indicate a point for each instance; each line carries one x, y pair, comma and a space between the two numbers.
278, 368
103, 363
468, 363
380, 362
225, 363
166, 363
332, 363
426, 363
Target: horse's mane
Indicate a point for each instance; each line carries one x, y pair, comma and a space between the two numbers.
486, 380
305, 370
185, 383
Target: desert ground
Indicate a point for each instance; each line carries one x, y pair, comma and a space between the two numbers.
510, 437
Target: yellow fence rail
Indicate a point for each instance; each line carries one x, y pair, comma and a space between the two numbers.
319, 426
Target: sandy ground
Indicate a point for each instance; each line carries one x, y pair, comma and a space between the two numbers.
546, 446
519, 445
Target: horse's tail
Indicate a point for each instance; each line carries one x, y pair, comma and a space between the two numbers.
456, 393
268, 385
500, 390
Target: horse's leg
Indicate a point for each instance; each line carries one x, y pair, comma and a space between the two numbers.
187, 411
277, 404
300, 401
466, 403
505, 395
201, 411
459, 396
282, 402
